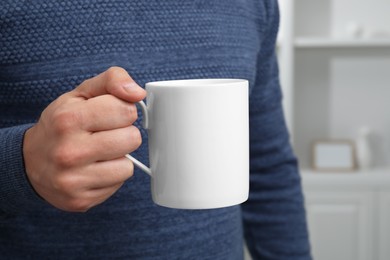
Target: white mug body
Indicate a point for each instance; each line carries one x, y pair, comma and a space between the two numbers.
198, 142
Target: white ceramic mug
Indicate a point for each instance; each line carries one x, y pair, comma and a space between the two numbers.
198, 142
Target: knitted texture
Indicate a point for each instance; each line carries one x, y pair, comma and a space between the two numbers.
49, 47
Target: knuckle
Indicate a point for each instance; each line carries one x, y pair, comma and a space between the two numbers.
135, 136
130, 112
65, 121
124, 172
66, 156
114, 72
73, 197
65, 184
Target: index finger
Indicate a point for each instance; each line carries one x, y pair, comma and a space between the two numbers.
115, 81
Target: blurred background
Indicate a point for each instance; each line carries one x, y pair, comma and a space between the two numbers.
334, 58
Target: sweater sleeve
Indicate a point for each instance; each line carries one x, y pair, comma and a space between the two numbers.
274, 215
16, 194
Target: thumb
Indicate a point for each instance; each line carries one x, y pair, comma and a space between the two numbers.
115, 81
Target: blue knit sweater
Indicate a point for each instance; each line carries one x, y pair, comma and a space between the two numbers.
49, 47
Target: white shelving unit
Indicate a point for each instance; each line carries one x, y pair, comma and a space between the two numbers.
334, 80
317, 42
334, 58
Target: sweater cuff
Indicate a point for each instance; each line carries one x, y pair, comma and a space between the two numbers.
16, 193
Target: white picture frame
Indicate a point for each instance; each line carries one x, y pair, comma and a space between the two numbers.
334, 155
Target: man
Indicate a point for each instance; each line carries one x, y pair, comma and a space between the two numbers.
68, 120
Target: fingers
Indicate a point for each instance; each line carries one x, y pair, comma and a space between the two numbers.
98, 196
107, 112
79, 190
74, 155
115, 81
100, 146
108, 145
108, 174
83, 200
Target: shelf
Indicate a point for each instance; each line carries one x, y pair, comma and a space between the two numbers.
308, 42
368, 179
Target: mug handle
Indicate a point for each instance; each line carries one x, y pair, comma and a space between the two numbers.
145, 124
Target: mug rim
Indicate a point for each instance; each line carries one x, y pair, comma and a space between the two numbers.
196, 82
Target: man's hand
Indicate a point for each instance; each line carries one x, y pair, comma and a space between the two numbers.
74, 155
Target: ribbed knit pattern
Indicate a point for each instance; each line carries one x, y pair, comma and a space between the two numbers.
49, 47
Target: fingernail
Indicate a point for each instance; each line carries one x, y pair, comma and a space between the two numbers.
130, 86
